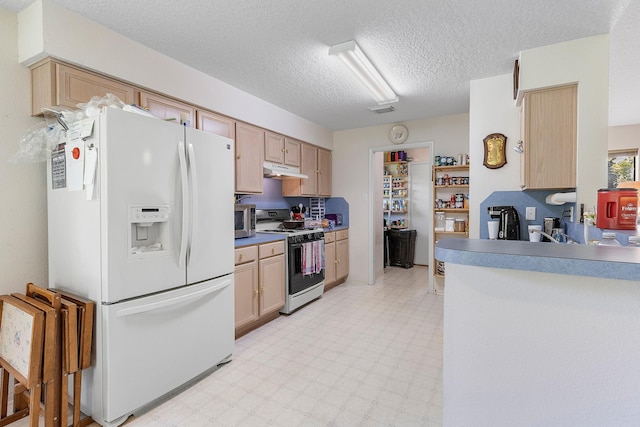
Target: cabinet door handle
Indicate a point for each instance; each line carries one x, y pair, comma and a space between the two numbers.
255, 292
262, 289
238, 157
273, 251
240, 257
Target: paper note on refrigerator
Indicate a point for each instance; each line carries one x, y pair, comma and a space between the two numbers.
75, 164
90, 166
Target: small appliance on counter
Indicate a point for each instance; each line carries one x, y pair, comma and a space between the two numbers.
245, 220
509, 222
617, 208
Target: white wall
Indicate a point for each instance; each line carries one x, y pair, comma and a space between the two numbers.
524, 348
51, 30
23, 209
450, 135
585, 61
624, 137
491, 110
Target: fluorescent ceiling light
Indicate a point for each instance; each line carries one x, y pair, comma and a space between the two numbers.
356, 60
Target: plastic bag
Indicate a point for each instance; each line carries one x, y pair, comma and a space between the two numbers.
36, 144
95, 104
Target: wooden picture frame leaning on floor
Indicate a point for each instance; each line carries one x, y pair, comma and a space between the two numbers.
21, 341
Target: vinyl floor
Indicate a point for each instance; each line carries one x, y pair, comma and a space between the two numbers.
359, 356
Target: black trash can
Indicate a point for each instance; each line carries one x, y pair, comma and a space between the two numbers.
402, 247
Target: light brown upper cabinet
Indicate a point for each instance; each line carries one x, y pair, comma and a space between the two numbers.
167, 108
57, 84
273, 147
216, 124
249, 158
281, 150
548, 128
292, 152
316, 164
324, 172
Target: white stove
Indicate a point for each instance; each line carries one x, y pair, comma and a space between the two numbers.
304, 257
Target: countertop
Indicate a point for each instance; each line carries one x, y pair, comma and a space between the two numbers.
336, 228
261, 238
612, 262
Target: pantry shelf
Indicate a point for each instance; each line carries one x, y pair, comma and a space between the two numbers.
450, 211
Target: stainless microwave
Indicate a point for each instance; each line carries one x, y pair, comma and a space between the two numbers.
245, 220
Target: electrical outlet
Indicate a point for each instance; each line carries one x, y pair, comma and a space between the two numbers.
570, 213
531, 213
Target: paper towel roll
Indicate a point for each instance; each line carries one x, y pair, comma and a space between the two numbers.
561, 198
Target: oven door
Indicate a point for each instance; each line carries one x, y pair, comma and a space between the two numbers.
301, 274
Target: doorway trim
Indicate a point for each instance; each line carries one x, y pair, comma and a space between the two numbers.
372, 202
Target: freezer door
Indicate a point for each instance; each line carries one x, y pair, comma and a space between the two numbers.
154, 344
139, 167
210, 160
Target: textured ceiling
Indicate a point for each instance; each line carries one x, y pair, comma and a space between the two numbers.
428, 50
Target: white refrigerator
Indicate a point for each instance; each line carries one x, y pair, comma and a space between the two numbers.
152, 245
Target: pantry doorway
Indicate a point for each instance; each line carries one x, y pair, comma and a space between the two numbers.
423, 150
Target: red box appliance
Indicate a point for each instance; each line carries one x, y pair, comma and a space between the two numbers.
617, 208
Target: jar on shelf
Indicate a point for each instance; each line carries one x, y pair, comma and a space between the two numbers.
440, 221
449, 224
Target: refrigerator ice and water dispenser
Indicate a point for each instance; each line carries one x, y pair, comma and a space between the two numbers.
149, 230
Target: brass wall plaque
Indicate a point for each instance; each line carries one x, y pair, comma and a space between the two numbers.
495, 150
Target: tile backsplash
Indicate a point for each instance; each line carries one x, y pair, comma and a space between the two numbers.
520, 200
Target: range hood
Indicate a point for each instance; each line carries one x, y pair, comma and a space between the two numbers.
274, 170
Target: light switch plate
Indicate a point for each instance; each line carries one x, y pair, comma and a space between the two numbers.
531, 213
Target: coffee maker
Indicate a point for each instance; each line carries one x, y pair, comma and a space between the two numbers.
509, 222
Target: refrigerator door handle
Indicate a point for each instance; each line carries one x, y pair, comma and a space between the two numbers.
144, 308
194, 201
185, 204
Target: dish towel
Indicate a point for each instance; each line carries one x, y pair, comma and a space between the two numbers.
307, 259
312, 258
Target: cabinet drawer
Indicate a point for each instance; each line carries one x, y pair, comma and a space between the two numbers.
342, 234
271, 249
247, 254
330, 237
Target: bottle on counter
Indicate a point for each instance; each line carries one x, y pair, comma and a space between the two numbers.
609, 239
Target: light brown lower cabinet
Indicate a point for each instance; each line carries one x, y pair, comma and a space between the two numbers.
336, 256
259, 285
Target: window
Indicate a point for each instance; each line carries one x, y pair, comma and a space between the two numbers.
622, 166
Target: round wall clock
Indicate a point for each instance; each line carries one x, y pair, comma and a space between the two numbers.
398, 134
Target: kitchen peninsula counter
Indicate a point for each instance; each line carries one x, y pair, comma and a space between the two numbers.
611, 262
540, 334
